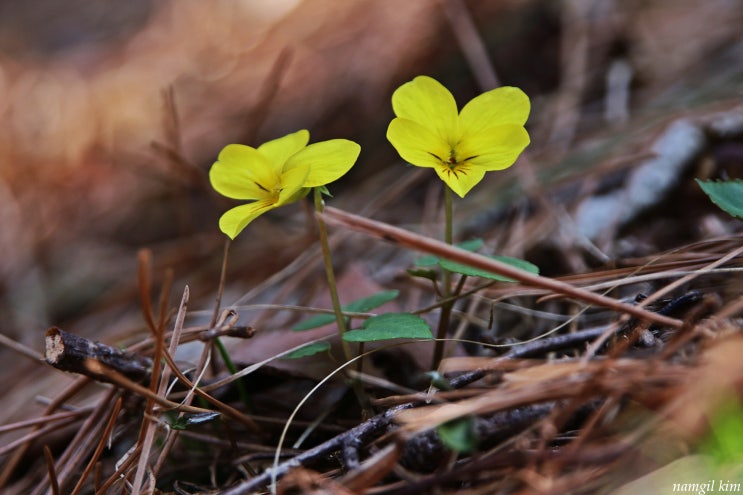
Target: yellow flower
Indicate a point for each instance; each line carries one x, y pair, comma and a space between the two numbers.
276, 173
488, 134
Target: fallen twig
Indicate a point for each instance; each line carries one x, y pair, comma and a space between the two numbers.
409, 239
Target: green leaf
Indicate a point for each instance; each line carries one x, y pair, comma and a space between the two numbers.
427, 260
430, 260
728, 195
423, 273
472, 245
459, 434
358, 306
308, 350
455, 267
390, 326
314, 321
366, 304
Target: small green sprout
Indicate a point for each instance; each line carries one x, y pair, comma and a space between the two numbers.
276, 173
459, 434
488, 134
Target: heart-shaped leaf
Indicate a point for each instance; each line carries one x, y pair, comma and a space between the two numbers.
463, 269
358, 306
390, 326
308, 350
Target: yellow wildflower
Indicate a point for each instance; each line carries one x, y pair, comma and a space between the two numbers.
488, 134
276, 173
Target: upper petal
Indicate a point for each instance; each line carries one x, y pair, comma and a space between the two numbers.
426, 101
327, 160
241, 172
495, 148
506, 105
235, 220
279, 150
416, 144
462, 178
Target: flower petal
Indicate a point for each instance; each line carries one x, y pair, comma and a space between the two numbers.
293, 184
495, 148
462, 178
506, 105
235, 220
327, 160
416, 144
279, 150
426, 101
241, 172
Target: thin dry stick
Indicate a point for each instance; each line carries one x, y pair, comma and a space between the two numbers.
123, 382
12, 463
177, 330
37, 433
82, 444
45, 420
411, 240
119, 472
21, 349
596, 345
222, 279
101, 446
54, 485
147, 431
691, 276
175, 339
223, 408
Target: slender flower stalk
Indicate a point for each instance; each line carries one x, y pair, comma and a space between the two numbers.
446, 308
329, 273
339, 318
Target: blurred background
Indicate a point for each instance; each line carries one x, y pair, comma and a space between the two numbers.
112, 113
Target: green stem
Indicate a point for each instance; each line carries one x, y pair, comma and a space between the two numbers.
445, 317
242, 392
339, 318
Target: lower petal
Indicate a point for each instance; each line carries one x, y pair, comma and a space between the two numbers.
461, 178
235, 220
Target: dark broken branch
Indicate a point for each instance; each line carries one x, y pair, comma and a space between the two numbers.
69, 352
